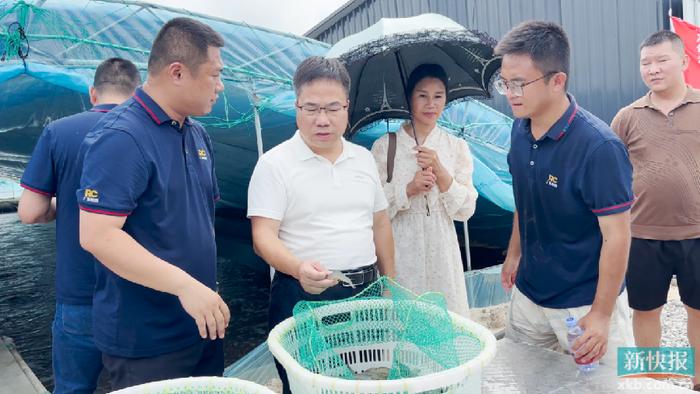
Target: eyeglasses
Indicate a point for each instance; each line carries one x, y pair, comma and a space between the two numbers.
503, 86
331, 109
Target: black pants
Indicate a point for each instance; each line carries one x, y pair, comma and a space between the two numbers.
285, 292
653, 263
206, 358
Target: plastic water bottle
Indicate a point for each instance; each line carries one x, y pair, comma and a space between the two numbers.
573, 332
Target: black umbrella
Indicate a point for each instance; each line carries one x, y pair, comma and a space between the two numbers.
381, 57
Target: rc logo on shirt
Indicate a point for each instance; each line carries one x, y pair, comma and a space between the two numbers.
552, 181
202, 154
91, 195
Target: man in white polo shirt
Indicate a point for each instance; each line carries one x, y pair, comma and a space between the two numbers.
316, 202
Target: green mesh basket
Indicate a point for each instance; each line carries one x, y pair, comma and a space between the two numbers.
198, 385
385, 340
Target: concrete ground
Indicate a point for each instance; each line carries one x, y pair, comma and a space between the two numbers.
15, 375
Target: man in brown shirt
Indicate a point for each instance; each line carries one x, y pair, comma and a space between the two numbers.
662, 133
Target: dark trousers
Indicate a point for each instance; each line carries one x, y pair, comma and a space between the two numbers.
77, 362
205, 358
653, 263
285, 292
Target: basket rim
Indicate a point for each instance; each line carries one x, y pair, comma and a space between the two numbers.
418, 383
216, 381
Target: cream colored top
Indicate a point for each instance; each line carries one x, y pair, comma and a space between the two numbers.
427, 252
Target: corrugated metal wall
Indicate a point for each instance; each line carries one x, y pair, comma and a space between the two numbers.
691, 11
604, 35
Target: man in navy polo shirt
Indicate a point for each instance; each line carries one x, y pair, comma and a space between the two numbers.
572, 181
147, 199
54, 171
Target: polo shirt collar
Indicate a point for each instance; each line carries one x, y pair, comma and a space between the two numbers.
561, 126
691, 96
153, 109
305, 153
643, 102
102, 107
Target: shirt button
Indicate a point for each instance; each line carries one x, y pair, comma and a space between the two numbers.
174, 123
670, 114
532, 163
534, 146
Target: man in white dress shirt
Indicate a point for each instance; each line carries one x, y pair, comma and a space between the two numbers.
316, 202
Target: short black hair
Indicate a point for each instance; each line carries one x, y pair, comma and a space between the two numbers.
183, 40
317, 67
118, 75
664, 36
425, 71
545, 42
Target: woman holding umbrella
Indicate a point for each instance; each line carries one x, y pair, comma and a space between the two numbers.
430, 187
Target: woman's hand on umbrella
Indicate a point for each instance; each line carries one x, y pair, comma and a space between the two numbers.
427, 157
422, 182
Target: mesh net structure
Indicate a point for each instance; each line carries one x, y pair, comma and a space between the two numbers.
484, 289
384, 333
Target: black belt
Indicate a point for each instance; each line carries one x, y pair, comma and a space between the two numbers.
360, 276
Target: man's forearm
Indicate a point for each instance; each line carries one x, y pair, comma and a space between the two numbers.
119, 252
514, 249
35, 208
51, 212
271, 249
384, 245
612, 266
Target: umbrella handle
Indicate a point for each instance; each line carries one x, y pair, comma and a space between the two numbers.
399, 61
402, 72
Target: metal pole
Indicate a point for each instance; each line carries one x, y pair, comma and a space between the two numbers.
259, 142
402, 74
467, 254
258, 131
258, 128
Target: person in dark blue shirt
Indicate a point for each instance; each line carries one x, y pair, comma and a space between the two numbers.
54, 170
147, 197
572, 182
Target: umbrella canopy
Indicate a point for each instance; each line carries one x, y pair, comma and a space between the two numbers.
381, 57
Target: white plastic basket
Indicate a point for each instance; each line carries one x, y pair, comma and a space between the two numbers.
197, 385
465, 378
